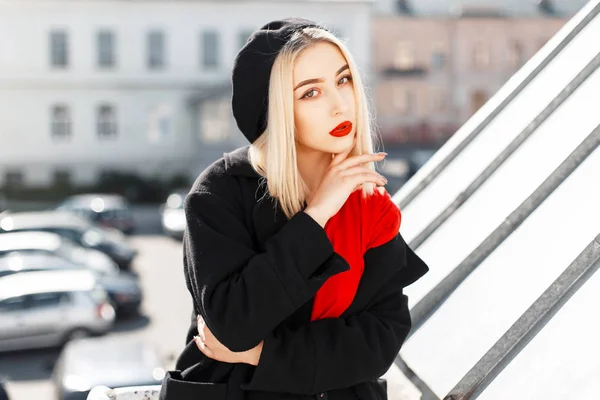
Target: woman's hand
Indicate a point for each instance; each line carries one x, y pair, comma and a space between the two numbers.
343, 176
212, 348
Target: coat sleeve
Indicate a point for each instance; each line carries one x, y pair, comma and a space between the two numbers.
241, 294
340, 352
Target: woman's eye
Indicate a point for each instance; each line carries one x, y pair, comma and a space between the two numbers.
307, 94
347, 79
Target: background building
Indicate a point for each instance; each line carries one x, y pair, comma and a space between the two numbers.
85, 88
438, 61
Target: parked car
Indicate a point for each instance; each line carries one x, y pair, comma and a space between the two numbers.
3, 392
123, 289
54, 244
3, 207
83, 232
110, 361
108, 210
49, 308
172, 214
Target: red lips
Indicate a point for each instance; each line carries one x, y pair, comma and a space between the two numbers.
342, 129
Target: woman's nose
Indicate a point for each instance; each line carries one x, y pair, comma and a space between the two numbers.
339, 104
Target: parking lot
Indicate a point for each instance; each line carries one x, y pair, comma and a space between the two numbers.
163, 320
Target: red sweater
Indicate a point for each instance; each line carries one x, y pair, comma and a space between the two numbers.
359, 225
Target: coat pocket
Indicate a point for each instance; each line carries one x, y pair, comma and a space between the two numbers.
175, 388
372, 390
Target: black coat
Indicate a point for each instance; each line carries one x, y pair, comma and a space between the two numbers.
253, 273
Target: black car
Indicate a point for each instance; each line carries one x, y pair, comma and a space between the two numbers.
78, 229
3, 206
3, 393
112, 361
123, 290
107, 210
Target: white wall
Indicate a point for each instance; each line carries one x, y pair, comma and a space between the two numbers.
29, 86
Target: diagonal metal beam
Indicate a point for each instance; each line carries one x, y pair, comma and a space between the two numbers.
437, 170
507, 152
528, 325
423, 310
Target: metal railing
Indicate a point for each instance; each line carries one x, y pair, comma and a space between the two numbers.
528, 325
569, 36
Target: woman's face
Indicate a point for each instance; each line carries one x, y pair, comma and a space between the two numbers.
323, 99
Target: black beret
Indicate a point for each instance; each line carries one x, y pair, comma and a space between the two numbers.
252, 71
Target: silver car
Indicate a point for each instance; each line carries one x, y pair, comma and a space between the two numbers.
172, 214
113, 361
49, 308
80, 230
52, 243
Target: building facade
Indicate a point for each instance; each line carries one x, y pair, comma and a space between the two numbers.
143, 87
437, 62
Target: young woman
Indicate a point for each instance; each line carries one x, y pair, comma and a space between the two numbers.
292, 254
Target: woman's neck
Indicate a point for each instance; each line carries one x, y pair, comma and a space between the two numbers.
312, 165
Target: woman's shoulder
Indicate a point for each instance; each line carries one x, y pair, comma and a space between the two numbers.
222, 176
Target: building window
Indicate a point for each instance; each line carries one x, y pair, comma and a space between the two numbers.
438, 60
215, 121
107, 122
478, 99
210, 49
516, 54
438, 100
243, 38
61, 122
160, 121
403, 100
59, 49
13, 178
403, 7
106, 49
481, 56
62, 177
546, 6
438, 57
156, 49
404, 58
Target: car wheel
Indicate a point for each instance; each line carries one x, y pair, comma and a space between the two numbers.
77, 333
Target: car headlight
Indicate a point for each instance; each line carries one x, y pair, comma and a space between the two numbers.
74, 383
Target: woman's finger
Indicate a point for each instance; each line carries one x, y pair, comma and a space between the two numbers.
201, 327
361, 159
354, 170
203, 347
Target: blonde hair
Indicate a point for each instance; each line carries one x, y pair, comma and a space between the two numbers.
273, 155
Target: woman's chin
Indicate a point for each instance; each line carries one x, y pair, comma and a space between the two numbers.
340, 144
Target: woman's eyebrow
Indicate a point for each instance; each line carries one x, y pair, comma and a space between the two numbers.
319, 80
